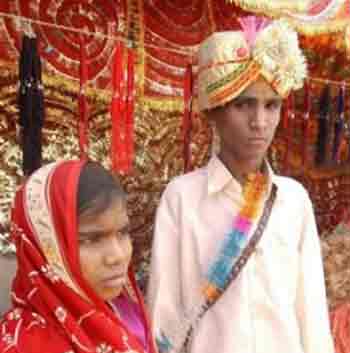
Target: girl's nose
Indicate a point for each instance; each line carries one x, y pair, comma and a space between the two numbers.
115, 251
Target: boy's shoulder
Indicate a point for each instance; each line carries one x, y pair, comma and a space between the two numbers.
188, 181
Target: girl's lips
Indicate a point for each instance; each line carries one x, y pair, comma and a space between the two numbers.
115, 281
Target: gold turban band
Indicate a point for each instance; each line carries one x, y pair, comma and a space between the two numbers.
230, 61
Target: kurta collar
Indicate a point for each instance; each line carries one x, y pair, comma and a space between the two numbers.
219, 177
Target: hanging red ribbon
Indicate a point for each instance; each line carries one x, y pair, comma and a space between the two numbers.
122, 111
306, 121
288, 124
187, 121
83, 105
117, 112
130, 112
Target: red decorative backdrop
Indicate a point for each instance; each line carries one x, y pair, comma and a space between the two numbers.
165, 35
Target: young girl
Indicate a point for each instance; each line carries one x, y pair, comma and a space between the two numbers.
74, 290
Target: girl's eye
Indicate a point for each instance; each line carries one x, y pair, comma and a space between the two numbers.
89, 240
124, 233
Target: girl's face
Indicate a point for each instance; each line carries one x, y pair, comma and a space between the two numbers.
105, 248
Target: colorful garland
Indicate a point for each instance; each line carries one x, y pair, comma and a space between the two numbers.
237, 239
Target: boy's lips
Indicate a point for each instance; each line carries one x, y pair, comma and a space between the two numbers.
257, 141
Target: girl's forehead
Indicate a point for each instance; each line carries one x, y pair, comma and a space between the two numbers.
114, 213
112, 219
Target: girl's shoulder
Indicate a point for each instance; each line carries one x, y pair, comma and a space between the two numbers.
24, 331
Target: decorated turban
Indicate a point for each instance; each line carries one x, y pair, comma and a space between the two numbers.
230, 61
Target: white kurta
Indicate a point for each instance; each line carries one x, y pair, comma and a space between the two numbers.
278, 302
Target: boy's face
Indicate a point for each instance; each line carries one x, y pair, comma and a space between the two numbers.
247, 124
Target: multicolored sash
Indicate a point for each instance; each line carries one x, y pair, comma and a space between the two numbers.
241, 261
233, 256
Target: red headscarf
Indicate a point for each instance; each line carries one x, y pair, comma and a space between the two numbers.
55, 310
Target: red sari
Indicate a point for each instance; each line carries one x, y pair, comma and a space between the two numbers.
54, 308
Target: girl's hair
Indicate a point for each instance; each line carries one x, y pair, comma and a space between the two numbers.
97, 189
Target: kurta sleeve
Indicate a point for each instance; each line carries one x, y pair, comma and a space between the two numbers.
312, 307
164, 288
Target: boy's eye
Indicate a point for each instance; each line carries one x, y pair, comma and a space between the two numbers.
244, 103
240, 104
273, 105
